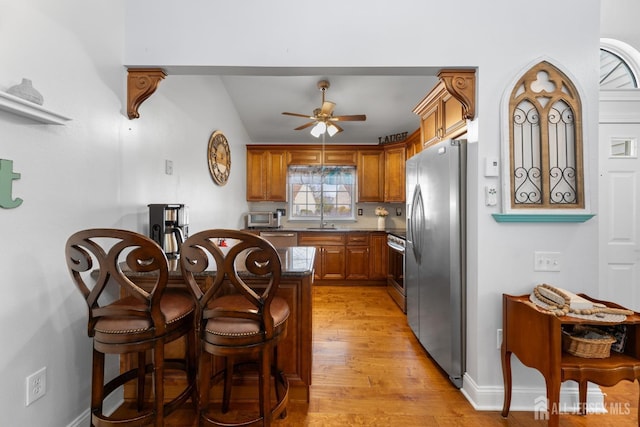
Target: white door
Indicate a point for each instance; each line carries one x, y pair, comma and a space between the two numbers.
619, 202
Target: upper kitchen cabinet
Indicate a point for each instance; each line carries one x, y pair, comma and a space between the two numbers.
445, 110
394, 160
266, 174
370, 175
316, 155
413, 144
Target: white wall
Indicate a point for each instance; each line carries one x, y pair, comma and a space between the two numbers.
175, 124
101, 169
499, 40
69, 180
619, 20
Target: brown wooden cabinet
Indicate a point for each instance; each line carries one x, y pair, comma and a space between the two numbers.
394, 170
301, 156
370, 175
345, 156
441, 116
316, 155
330, 255
266, 174
413, 144
357, 256
378, 263
350, 256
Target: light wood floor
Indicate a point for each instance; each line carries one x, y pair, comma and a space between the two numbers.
369, 370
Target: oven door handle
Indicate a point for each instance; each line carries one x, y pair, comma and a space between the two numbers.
395, 247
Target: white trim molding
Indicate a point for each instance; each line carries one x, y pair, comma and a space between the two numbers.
628, 53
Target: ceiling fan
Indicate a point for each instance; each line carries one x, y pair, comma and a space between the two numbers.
323, 117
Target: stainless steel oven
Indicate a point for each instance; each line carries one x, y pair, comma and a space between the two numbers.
395, 279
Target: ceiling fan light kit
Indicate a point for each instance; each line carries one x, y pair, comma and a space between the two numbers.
323, 120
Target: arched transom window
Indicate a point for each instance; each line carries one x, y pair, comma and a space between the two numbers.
545, 141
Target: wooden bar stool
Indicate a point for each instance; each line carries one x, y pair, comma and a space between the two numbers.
125, 318
237, 322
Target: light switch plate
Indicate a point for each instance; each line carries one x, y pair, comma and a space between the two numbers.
547, 261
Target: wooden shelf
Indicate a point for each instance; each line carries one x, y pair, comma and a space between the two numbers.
24, 108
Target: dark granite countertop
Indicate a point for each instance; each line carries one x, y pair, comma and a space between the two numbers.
396, 231
296, 261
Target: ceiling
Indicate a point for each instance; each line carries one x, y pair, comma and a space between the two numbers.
386, 96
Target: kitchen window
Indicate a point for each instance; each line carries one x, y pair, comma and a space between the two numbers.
322, 192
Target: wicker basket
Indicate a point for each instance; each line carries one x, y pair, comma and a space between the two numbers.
591, 348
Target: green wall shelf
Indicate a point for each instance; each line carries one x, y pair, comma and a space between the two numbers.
510, 217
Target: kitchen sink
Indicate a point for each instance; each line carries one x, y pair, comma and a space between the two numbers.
321, 228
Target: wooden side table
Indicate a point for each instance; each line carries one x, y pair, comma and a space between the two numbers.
535, 337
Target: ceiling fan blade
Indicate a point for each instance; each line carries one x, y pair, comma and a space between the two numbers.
304, 126
349, 118
327, 108
306, 116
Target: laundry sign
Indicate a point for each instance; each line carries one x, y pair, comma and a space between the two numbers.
7, 176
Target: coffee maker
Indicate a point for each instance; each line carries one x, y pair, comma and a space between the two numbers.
169, 227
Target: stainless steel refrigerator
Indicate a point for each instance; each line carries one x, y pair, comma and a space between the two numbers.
435, 253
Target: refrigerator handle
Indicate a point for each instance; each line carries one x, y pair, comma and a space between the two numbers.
416, 221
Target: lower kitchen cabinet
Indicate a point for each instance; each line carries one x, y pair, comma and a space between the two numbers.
357, 260
330, 258
378, 258
352, 257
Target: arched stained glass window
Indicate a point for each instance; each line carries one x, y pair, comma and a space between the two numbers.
545, 141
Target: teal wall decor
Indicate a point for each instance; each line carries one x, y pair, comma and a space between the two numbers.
7, 176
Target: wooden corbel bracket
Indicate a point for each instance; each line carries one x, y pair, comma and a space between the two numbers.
141, 84
461, 84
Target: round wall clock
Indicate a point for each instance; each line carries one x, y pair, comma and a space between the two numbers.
219, 156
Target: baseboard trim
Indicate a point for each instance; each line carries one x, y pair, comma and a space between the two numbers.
490, 398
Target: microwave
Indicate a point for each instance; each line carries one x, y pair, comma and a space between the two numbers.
263, 219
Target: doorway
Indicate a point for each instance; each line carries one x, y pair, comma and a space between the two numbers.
619, 201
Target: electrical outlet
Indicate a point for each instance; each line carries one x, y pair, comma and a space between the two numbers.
498, 338
36, 385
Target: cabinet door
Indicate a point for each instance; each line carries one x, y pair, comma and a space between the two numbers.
329, 262
305, 157
453, 121
333, 262
394, 160
256, 175
414, 144
276, 176
430, 125
340, 157
378, 256
370, 176
266, 175
357, 262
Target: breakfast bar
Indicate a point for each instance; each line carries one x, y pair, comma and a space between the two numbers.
295, 349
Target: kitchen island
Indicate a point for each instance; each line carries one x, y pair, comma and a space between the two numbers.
294, 349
